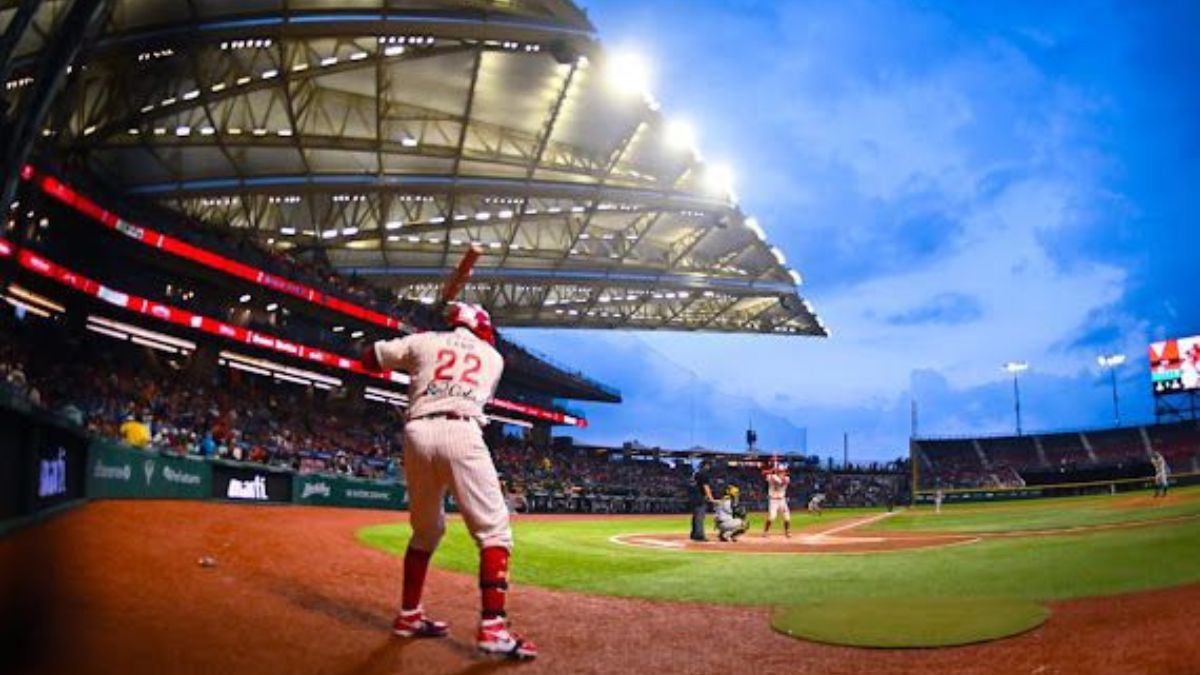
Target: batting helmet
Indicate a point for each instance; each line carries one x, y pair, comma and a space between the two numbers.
474, 318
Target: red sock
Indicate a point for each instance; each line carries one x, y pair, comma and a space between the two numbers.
493, 580
416, 564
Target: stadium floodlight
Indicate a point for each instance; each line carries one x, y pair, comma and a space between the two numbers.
627, 72
273, 306
245, 298
1110, 362
1016, 366
681, 134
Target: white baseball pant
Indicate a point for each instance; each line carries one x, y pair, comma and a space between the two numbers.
443, 454
776, 507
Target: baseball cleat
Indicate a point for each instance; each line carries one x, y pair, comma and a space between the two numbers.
495, 638
414, 624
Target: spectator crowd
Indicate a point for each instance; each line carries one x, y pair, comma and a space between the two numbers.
167, 403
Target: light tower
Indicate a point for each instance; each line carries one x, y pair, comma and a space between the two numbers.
1110, 362
1016, 368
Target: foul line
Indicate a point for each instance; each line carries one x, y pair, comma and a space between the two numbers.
859, 522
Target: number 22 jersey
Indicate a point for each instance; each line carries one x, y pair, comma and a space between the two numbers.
451, 372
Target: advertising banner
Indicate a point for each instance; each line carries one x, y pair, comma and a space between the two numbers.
115, 470
317, 489
56, 470
250, 483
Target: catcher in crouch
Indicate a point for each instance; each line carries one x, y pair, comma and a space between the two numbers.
730, 516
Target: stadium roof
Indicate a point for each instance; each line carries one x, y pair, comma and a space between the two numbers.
388, 136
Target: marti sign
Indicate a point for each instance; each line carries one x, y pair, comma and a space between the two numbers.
255, 488
52, 475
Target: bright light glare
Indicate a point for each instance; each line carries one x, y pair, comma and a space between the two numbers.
628, 72
1110, 360
681, 134
753, 226
1016, 366
719, 178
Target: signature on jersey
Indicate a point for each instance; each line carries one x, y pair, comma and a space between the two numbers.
438, 389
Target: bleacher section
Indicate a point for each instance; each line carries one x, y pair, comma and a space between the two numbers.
1056, 458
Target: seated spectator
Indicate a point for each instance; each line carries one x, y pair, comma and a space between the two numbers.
134, 432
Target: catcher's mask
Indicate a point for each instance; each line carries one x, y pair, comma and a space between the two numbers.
472, 317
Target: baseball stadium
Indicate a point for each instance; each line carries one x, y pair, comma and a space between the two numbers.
262, 410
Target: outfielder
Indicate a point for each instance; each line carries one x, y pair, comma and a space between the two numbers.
1162, 473
453, 373
777, 485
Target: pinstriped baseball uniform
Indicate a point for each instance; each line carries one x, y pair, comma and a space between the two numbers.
777, 485
452, 375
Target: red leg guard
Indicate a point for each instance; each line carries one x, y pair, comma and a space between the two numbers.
493, 580
416, 564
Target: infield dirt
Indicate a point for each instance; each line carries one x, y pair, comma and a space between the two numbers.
115, 587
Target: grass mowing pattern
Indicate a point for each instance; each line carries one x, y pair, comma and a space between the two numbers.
909, 622
1043, 514
577, 555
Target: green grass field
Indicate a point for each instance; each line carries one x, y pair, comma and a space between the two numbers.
578, 555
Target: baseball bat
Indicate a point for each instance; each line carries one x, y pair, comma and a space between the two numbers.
458, 279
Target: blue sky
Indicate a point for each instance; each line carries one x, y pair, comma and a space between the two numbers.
960, 184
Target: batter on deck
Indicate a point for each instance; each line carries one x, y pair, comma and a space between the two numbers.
453, 374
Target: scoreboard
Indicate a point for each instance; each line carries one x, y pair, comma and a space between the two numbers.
1175, 365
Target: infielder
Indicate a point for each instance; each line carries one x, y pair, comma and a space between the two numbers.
815, 501
777, 485
453, 373
1162, 473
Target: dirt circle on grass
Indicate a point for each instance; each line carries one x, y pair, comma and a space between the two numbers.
799, 544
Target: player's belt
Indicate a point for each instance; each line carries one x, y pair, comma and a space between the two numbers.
445, 416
